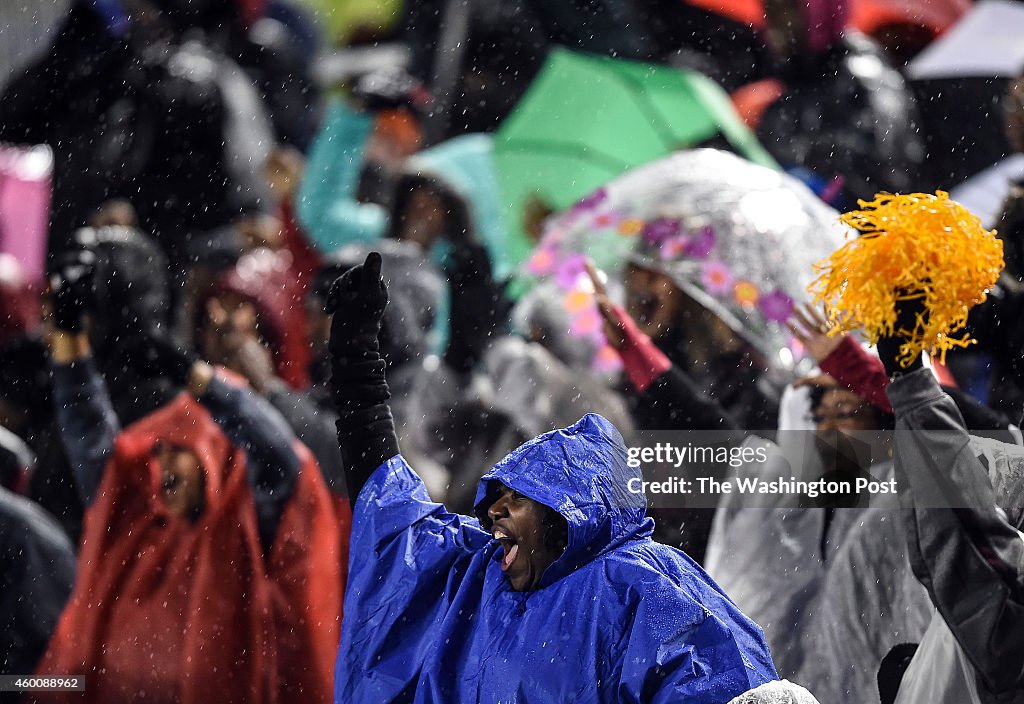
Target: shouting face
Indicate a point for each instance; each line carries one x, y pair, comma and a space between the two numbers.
532, 537
182, 481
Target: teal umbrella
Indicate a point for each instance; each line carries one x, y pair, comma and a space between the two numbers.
587, 119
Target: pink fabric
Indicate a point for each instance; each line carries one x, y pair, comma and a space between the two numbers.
860, 372
864, 374
268, 280
25, 181
19, 301
642, 361
825, 20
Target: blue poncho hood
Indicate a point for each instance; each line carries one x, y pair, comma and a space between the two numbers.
431, 617
580, 472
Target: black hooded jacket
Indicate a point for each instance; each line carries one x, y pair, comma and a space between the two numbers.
846, 113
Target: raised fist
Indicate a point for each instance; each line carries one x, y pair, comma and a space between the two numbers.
72, 287
356, 301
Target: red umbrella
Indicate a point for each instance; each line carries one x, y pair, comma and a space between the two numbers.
867, 15
936, 15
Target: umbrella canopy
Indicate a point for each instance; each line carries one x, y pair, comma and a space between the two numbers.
866, 15
738, 238
958, 82
986, 42
587, 119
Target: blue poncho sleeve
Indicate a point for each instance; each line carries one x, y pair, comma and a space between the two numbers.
407, 555
673, 653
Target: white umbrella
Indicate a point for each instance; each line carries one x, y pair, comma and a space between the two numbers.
987, 42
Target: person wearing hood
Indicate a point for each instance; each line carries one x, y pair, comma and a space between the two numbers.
262, 289
834, 589
442, 197
554, 591
844, 114
202, 522
232, 334
828, 580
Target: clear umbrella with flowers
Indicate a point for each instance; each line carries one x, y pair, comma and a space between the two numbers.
740, 239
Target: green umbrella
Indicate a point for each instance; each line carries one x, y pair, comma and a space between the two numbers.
587, 119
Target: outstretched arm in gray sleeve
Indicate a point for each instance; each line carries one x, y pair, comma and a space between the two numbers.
963, 548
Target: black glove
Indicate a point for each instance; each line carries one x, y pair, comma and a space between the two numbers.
356, 301
366, 429
478, 305
72, 286
907, 312
153, 354
391, 88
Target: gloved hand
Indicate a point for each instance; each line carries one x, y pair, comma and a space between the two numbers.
356, 301
72, 286
391, 88
366, 430
152, 353
907, 312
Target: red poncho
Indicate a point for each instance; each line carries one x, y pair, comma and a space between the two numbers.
181, 611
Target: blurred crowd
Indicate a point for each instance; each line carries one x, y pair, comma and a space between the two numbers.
174, 512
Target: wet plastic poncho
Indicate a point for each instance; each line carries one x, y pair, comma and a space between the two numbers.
834, 593
778, 692
847, 113
431, 618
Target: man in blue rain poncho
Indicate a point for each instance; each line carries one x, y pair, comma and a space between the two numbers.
554, 593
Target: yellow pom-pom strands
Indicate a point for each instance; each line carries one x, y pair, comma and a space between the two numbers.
916, 245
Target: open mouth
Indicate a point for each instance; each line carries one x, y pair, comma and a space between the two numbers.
509, 545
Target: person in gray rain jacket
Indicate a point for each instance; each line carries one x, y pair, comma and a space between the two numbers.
965, 508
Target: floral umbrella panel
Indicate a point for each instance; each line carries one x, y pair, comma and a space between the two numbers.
739, 238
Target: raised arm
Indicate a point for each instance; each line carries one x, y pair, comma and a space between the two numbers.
962, 547
326, 204
248, 420
389, 598
366, 429
668, 392
85, 414
251, 423
841, 357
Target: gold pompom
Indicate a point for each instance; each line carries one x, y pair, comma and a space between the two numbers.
910, 246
